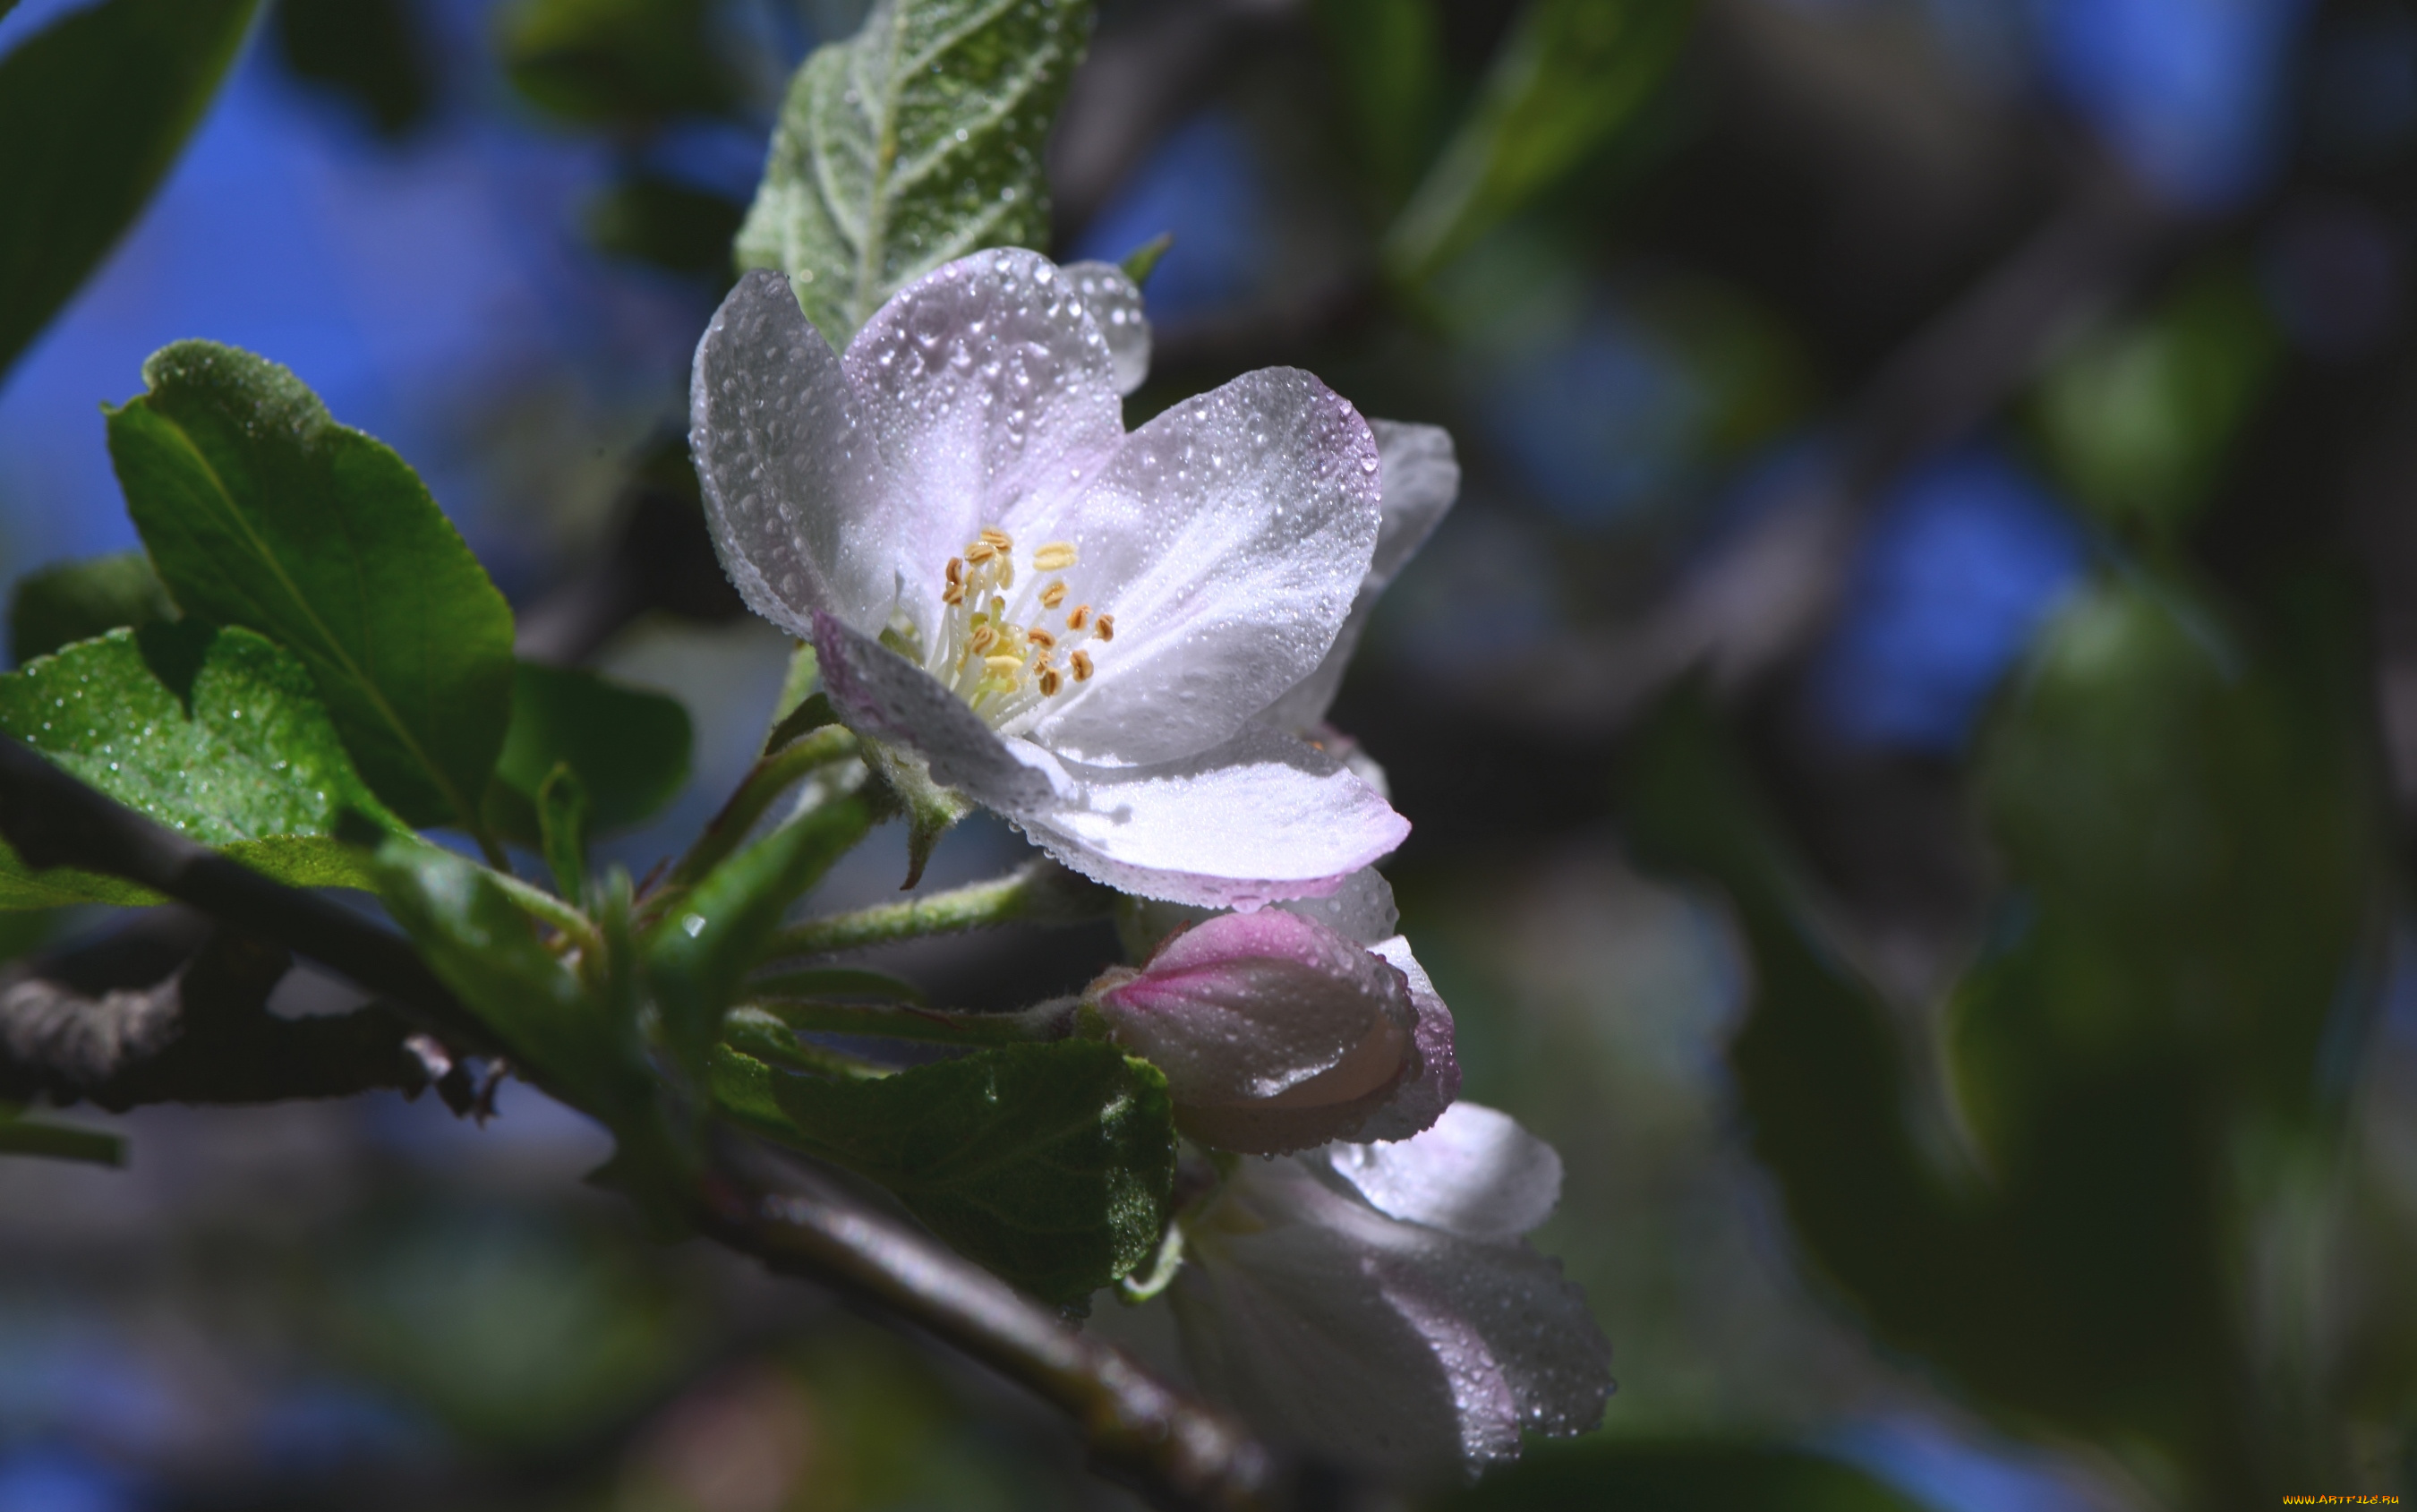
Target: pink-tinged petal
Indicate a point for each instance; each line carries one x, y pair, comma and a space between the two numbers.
1227, 537
1116, 306
982, 387
881, 694
1420, 478
1475, 1173
1259, 820
1423, 1099
801, 525
1275, 1033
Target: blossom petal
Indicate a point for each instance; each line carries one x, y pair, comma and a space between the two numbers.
1248, 1006
792, 509
1227, 537
1419, 1102
1361, 910
1421, 478
1116, 306
981, 386
882, 694
1261, 819
1475, 1173
1288, 1323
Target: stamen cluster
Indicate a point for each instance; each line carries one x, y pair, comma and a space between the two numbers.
1003, 660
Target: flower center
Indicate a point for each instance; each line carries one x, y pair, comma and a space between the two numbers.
1005, 668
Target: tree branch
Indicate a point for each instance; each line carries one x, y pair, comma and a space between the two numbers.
1177, 1452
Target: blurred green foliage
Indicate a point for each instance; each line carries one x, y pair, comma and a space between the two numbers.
76, 600
92, 112
369, 51
625, 63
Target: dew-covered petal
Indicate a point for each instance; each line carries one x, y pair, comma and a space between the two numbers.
1422, 1099
1361, 909
1259, 819
799, 522
982, 387
1227, 537
881, 694
1475, 1173
1421, 478
1285, 1316
1116, 306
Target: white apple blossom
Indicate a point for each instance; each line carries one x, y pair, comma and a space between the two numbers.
1378, 1304
1078, 627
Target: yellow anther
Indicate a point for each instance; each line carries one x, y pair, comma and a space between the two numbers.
997, 606
1050, 683
1004, 666
984, 639
956, 569
1079, 616
1054, 557
1006, 570
997, 539
1038, 636
981, 550
1107, 627
953, 593
1054, 595
1081, 662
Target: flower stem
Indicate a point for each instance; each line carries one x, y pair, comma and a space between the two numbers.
1041, 893
539, 903
771, 775
904, 1023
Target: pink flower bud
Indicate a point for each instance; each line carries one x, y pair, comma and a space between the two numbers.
1274, 1032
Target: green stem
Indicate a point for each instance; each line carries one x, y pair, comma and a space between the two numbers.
771, 775
908, 1023
1041, 893
541, 904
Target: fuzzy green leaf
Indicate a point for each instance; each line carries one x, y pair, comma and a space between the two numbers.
260, 510
629, 747
214, 733
92, 111
76, 600
1053, 1165
915, 142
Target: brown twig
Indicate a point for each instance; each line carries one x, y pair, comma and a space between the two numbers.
1177, 1452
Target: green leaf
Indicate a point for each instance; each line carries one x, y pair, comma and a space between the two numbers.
2140, 420
20, 1135
76, 600
1140, 263
629, 747
713, 937
260, 510
615, 62
1570, 75
1388, 56
913, 142
1053, 1165
837, 984
481, 945
665, 223
216, 733
562, 829
92, 111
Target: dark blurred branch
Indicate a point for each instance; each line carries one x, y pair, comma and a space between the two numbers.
1174, 1451
204, 1035
1764, 598
1177, 1452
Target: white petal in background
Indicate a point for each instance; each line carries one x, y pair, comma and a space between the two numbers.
1116, 305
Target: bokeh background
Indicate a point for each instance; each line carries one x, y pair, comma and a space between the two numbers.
1810, 355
